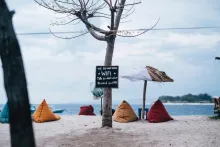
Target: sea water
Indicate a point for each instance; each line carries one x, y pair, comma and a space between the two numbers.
173, 109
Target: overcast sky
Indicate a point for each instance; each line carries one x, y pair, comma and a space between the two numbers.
61, 70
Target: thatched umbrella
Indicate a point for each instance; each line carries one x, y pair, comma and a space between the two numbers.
148, 74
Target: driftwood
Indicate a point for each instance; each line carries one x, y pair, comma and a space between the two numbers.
21, 128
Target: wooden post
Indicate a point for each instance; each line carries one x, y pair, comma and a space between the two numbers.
144, 99
21, 129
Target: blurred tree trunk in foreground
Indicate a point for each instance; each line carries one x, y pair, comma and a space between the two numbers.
21, 128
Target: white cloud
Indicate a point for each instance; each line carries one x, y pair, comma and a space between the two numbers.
46, 54
199, 40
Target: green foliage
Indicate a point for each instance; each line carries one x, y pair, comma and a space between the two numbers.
189, 98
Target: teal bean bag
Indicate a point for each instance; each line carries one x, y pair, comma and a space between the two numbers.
4, 116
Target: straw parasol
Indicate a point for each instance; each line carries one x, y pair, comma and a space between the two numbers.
145, 74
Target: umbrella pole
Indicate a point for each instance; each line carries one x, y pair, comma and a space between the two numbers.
144, 99
101, 106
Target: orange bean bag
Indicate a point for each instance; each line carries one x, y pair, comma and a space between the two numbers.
124, 113
158, 113
43, 113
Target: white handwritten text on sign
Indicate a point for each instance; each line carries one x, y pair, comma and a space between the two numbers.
106, 76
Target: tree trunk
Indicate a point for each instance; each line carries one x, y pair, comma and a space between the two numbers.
21, 128
107, 103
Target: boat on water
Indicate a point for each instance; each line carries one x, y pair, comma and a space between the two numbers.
56, 110
33, 109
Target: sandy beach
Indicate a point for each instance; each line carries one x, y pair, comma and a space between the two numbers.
85, 131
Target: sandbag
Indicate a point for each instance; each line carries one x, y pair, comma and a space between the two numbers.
158, 113
43, 113
87, 110
4, 116
124, 113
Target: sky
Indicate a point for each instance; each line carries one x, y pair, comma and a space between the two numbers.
60, 71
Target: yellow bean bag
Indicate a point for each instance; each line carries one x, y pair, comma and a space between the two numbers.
124, 113
44, 113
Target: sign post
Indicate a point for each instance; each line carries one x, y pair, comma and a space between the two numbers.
106, 77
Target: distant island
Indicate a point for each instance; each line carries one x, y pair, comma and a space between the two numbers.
189, 98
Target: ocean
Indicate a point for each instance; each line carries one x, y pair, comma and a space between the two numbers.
173, 109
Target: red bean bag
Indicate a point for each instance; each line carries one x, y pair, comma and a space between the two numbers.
86, 110
158, 113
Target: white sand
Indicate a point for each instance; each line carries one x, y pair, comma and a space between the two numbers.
85, 131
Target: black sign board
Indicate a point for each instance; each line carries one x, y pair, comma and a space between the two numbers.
106, 77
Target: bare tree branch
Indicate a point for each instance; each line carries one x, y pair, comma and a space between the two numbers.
81, 13
107, 3
66, 22
98, 8
91, 26
127, 14
128, 33
45, 5
115, 4
93, 4
102, 14
127, 11
95, 35
110, 1
61, 7
118, 14
76, 23
122, 6
64, 2
92, 30
82, 34
84, 10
